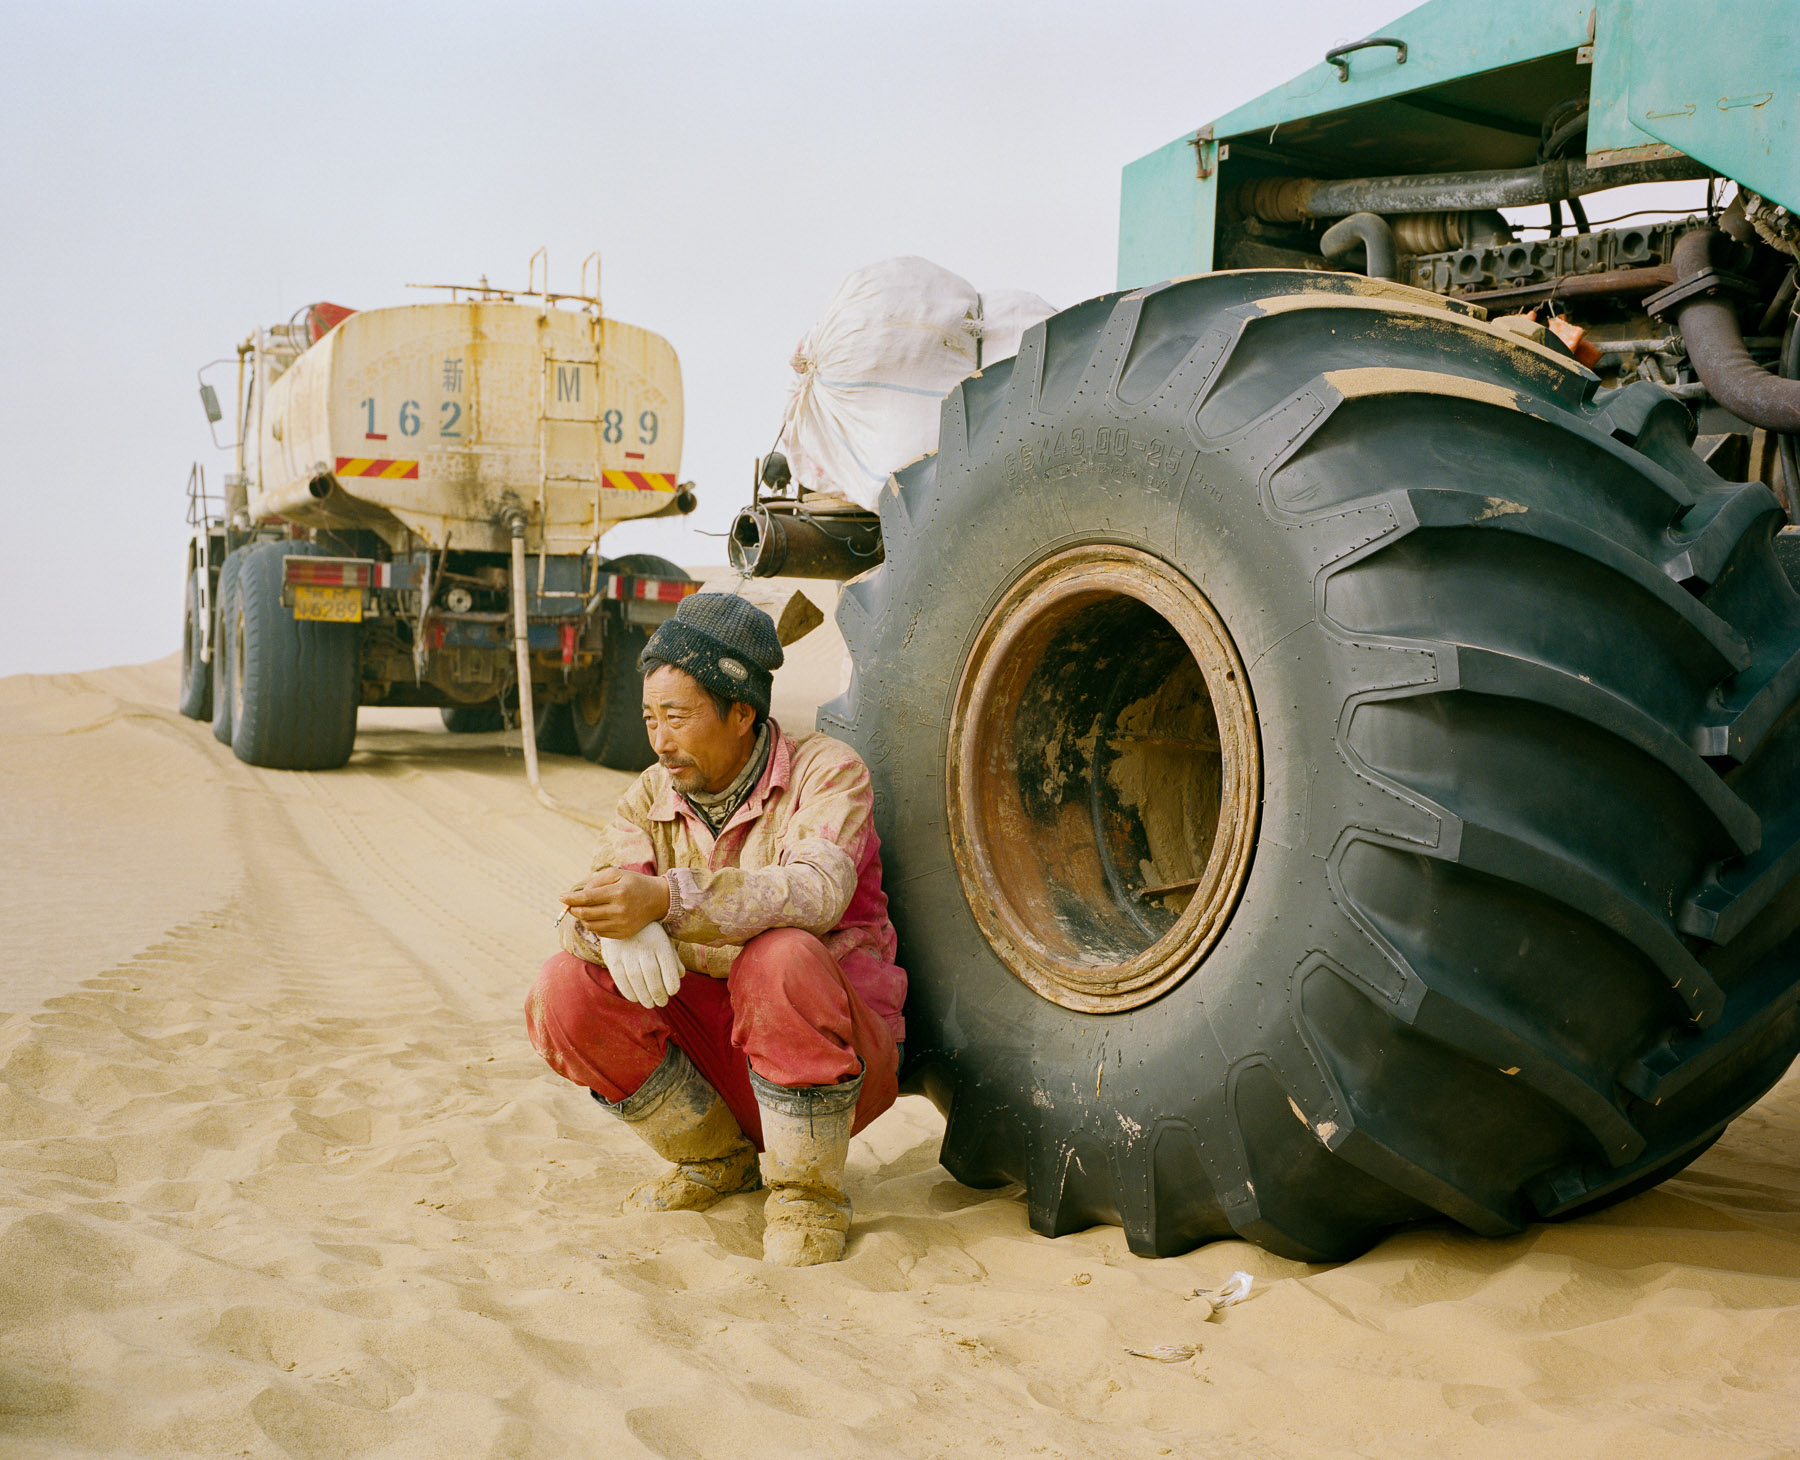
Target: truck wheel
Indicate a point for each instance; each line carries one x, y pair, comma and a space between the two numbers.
472, 719
196, 673
608, 708
225, 645
295, 686
555, 733
556, 730
607, 713
1334, 769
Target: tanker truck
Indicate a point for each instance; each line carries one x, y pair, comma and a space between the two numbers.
415, 519
1332, 700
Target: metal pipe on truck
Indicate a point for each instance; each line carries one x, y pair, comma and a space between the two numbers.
768, 541
1372, 232
1299, 199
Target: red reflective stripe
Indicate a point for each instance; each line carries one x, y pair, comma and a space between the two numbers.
377, 466
311, 573
637, 481
655, 590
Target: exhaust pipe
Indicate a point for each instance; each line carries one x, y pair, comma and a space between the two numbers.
1300, 199
788, 542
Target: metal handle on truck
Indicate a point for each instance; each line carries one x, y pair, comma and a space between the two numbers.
1339, 56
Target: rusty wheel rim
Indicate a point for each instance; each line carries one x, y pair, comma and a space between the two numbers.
1103, 745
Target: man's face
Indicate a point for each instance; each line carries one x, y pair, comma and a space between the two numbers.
701, 749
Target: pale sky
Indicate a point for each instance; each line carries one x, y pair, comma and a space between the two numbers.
173, 175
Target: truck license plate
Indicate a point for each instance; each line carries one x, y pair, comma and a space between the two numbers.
328, 605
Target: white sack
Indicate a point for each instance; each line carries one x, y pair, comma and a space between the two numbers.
870, 375
1005, 316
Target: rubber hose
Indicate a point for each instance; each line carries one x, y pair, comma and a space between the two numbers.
1565, 134
1372, 232
521, 626
1788, 443
1715, 344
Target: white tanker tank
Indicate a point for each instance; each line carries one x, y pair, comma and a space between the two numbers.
441, 419
397, 470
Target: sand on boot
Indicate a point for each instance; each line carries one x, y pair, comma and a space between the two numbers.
281, 1176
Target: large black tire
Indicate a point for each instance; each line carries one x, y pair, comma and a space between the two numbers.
225, 645
1518, 924
294, 707
196, 674
555, 731
472, 719
607, 712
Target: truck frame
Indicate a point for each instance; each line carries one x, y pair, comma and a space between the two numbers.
414, 518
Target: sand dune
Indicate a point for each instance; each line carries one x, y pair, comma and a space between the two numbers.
280, 1175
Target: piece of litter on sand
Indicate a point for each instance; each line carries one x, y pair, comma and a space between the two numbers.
1217, 1300
1081, 1279
1166, 1353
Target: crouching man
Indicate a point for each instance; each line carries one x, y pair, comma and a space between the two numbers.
728, 983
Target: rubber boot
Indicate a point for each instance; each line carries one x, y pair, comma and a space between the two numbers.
681, 1117
806, 1136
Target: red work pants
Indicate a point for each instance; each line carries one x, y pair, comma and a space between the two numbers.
787, 1011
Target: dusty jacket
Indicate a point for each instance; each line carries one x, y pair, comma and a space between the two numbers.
801, 852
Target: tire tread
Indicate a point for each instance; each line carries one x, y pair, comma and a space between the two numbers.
1316, 1140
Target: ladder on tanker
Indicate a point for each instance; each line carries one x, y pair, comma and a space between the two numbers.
570, 427
569, 397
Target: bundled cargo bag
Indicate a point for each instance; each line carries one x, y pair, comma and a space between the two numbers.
869, 376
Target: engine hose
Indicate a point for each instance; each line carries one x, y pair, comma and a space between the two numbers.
1372, 232
1715, 344
1788, 442
1565, 134
1782, 304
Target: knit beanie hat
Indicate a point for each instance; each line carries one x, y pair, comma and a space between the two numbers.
728, 644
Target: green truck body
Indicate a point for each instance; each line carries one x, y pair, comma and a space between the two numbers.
1716, 80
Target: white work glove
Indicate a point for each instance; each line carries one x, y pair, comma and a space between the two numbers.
644, 967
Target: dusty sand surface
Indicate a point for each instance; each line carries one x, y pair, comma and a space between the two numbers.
280, 1175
